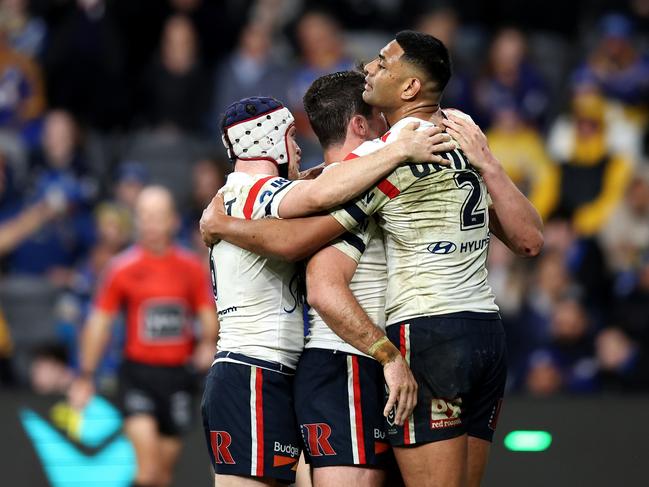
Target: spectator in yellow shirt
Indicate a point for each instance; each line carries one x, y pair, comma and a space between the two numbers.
593, 175
520, 149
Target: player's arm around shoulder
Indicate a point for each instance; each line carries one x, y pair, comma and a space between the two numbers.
513, 219
347, 181
289, 240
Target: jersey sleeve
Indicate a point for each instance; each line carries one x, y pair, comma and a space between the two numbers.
356, 211
372, 201
272, 207
276, 189
265, 196
110, 293
354, 242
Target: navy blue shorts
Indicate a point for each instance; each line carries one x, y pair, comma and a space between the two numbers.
459, 362
339, 400
249, 420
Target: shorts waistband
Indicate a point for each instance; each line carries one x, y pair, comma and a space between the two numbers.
462, 315
264, 364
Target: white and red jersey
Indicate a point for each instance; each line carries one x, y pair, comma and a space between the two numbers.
258, 301
364, 244
436, 224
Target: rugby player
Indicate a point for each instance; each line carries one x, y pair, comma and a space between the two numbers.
252, 436
338, 388
440, 310
162, 288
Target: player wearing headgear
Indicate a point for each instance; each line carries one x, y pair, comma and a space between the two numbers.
253, 433
440, 309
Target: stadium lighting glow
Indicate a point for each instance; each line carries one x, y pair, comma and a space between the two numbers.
528, 440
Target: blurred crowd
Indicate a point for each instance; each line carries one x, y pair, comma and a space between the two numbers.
99, 98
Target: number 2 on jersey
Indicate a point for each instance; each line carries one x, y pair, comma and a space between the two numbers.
471, 217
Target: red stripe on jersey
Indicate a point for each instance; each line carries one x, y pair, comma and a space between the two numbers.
385, 136
260, 422
252, 196
388, 189
360, 435
350, 156
402, 348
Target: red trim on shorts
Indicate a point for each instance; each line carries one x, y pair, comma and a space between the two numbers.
388, 189
252, 196
260, 422
350, 156
402, 349
358, 410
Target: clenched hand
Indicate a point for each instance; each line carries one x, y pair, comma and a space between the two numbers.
211, 220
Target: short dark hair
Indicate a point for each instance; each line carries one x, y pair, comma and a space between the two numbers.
330, 103
428, 53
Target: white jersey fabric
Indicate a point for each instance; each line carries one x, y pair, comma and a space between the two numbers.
259, 309
364, 244
436, 224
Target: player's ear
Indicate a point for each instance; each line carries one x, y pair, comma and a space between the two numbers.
359, 126
410, 88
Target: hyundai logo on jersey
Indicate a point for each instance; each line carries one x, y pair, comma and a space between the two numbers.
442, 247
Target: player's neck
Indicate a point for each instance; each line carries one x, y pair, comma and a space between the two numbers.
258, 166
338, 152
425, 110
